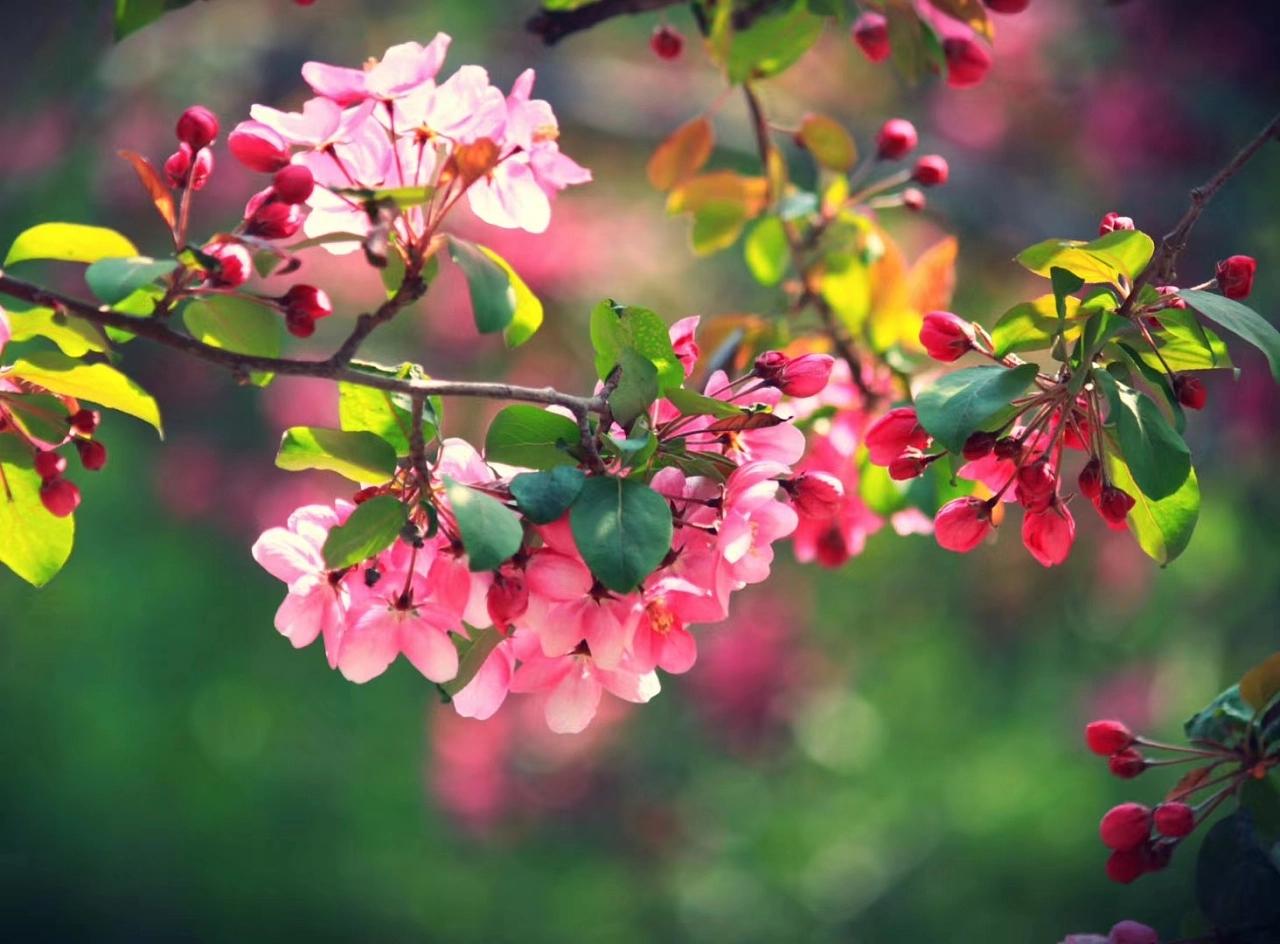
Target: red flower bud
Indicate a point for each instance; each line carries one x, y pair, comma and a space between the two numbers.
1191, 392
1090, 480
962, 523
1132, 932
914, 199
1037, 479
907, 467
1107, 737
258, 147
945, 336
299, 325
931, 171
1235, 276
49, 465
1175, 819
1008, 448
85, 422
967, 61
802, 376
871, 33
234, 264
59, 497
1115, 504
893, 434
979, 445
1169, 293
307, 300
816, 494
183, 164
93, 454
1049, 534
1112, 222
293, 184
1007, 6
666, 42
1125, 866
270, 218
197, 127
896, 140
1127, 764
1125, 827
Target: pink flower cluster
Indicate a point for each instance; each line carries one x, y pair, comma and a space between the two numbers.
563, 635
391, 126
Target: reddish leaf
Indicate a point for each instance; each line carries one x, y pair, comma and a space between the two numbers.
1191, 781
733, 424
161, 196
682, 154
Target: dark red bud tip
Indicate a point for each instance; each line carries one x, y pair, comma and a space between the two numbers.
293, 184
1115, 504
1125, 867
666, 42
897, 139
197, 127
300, 325
93, 454
1107, 737
85, 422
1235, 276
979, 445
1127, 764
1127, 826
871, 33
1007, 6
931, 171
907, 467
1175, 819
362, 496
59, 497
967, 61
1008, 448
1191, 392
307, 300
1090, 480
49, 465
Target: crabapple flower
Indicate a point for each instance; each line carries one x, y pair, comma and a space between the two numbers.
945, 336
1049, 534
1235, 276
962, 523
573, 685
402, 70
893, 434
258, 147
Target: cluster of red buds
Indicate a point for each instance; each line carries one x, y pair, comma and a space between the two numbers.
1143, 839
189, 167
59, 495
896, 140
967, 59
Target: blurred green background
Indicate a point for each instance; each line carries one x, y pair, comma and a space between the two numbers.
889, 752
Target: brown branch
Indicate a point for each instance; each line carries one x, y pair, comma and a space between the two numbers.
554, 25
328, 369
417, 442
412, 288
1162, 267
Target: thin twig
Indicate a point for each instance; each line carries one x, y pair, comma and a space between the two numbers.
1162, 266
417, 442
328, 369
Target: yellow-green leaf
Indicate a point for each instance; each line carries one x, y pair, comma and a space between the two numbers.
1261, 683
68, 242
527, 318
97, 383
34, 543
829, 143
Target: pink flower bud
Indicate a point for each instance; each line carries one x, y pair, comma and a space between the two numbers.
1107, 737
1037, 479
816, 494
59, 497
1127, 764
1049, 534
1131, 932
945, 336
1115, 504
1169, 293
1175, 819
802, 376
258, 147
931, 170
293, 184
197, 127
907, 467
967, 61
1191, 392
1124, 866
307, 300
962, 523
93, 454
269, 218
1090, 480
235, 264
666, 42
49, 465
893, 434
1112, 222
177, 166
1235, 276
896, 140
871, 33
913, 199
1125, 827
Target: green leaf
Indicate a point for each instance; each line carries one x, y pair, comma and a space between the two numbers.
68, 242
766, 251
716, 226
1032, 326
490, 531
35, 544
1224, 720
114, 280
772, 43
132, 15
1122, 253
402, 197
478, 649
493, 297
385, 414
615, 327
74, 336
1186, 344
637, 387
1162, 528
527, 318
42, 416
913, 44
97, 383
363, 458
532, 437
1157, 457
690, 403
623, 530
1261, 683
1064, 283
543, 497
828, 142
1237, 883
371, 529
960, 402
1241, 320
236, 324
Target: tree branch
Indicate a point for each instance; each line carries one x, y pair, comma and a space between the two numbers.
554, 25
1162, 267
411, 289
328, 369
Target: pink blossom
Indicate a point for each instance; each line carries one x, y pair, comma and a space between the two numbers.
684, 342
573, 685
565, 612
962, 523
484, 694
403, 69
1049, 534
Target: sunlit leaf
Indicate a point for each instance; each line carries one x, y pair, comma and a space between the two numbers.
682, 154
97, 383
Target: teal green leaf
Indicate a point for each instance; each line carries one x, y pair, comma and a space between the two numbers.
1157, 457
623, 530
615, 327
960, 402
236, 324
372, 528
543, 497
532, 437
527, 317
490, 531
1240, 320
636, 389
114, 280
493, 298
